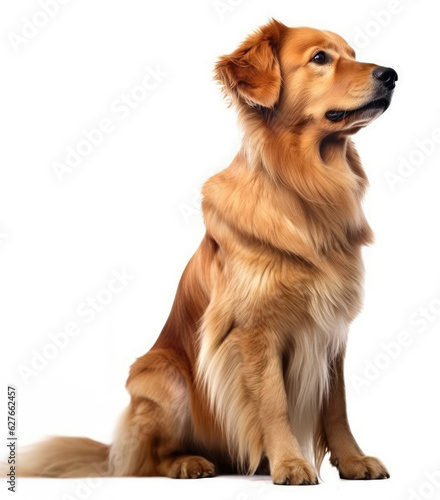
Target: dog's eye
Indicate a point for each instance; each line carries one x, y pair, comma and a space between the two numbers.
321, 58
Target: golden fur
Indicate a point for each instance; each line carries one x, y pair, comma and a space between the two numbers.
247, 373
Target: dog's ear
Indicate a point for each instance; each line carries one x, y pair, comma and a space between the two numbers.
252, 72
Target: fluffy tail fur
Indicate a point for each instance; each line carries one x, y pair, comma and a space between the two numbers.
64, 457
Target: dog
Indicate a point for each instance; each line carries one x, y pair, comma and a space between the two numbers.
247, 374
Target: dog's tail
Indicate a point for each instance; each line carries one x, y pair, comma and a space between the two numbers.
64, 457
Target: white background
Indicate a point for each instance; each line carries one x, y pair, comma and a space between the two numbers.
133, 204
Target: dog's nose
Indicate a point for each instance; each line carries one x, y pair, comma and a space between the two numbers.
387, 76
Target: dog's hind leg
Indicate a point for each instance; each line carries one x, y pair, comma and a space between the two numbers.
155, 430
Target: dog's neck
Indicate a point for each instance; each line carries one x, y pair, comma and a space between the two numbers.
293, 192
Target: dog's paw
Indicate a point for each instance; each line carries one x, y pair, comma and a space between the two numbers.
191, 467
294, 471
362, 467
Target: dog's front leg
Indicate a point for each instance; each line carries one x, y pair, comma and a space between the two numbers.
346, 455
287, 463
247, 382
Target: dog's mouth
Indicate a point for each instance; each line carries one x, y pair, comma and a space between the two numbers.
339, 115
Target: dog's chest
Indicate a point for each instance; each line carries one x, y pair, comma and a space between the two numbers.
288, 294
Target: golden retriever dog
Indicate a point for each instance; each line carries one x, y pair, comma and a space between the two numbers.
247, 374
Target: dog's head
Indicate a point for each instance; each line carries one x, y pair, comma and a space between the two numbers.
306, 76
